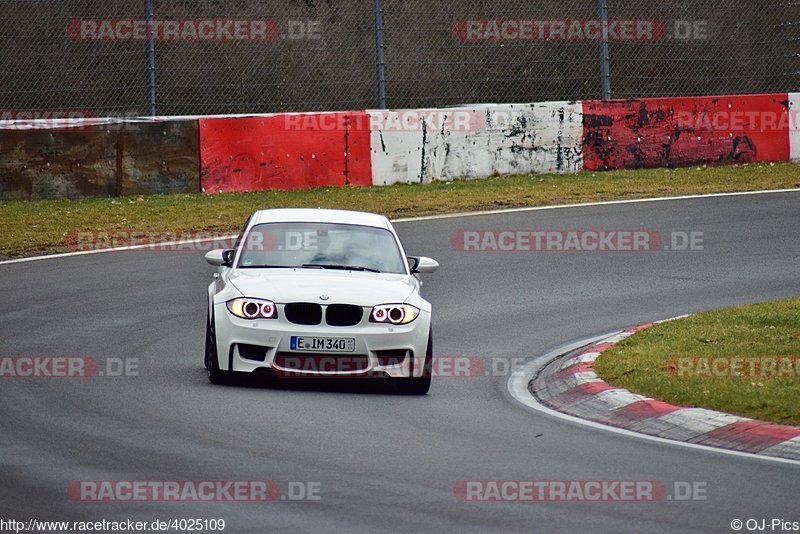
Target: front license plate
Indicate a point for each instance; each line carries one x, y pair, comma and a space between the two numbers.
324, 344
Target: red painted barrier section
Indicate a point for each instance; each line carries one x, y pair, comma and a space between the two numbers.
669, 132
284, 151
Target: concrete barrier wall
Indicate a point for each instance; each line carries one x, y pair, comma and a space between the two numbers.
284, 151
99, 160
107, 157
417, 146
660, 132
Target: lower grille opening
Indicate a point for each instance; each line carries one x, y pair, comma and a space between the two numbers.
321, 363
391, 357
307, 313
252, 352
343, 315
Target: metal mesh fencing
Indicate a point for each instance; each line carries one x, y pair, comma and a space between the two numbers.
181, 57
708, 47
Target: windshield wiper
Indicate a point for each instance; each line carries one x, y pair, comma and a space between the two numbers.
339, 267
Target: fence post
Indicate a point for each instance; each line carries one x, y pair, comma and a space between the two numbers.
379, 63
150, 53
605, 67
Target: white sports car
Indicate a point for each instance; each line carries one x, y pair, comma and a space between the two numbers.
319, 293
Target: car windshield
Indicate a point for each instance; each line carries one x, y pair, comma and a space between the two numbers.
321, 246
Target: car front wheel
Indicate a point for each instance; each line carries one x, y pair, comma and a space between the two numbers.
215, 374
419, 385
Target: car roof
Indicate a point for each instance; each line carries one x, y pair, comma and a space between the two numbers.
362, 218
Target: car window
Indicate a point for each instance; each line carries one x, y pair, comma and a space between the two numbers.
321, 245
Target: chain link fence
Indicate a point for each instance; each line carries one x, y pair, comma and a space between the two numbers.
183, 57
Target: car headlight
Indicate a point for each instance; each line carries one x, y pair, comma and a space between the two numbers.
252, 308
393, 314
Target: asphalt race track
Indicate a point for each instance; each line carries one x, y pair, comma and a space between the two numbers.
385, 462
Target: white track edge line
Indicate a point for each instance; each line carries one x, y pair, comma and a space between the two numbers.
422, 218
589, 204
153, 246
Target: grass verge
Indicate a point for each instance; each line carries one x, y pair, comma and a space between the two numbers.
34, 227
743, 360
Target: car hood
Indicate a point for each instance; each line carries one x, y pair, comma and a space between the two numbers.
308, 285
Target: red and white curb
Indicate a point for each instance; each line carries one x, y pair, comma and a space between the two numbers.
568, 386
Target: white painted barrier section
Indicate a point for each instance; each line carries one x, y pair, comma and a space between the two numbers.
413, 146
794, 127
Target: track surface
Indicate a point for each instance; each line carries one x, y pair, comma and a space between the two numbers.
385, 462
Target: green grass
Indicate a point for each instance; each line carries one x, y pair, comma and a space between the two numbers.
642, 363
33, 227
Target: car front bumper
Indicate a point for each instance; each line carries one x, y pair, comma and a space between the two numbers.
237, 337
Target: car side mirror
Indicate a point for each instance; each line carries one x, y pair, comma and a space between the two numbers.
220, 258
423, 265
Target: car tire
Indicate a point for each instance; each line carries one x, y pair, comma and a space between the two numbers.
207, 347
419, 385
215, 374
